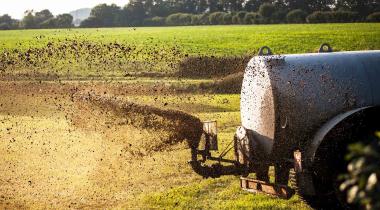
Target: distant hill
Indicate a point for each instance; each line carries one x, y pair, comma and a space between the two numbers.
80, 14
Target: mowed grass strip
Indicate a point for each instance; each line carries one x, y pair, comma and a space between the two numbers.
221, 193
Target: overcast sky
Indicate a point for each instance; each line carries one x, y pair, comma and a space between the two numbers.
16, 8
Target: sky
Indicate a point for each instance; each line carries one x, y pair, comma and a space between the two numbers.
16, 8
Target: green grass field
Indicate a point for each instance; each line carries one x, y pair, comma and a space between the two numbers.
116, 52
214, 40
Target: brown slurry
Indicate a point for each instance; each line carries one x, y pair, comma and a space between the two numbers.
229, 84
211, 66
180, 125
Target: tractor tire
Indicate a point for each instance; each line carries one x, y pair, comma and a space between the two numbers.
330, 161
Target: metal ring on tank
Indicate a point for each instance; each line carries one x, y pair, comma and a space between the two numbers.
262, 50
322, 48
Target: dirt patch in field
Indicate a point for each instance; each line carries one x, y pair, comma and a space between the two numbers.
229, 84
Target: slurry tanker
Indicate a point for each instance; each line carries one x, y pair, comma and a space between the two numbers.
298, 115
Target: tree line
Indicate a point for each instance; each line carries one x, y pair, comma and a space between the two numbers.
216, 12
207, 12
34, 20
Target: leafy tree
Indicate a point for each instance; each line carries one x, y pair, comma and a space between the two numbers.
61, 21
4, 26
296, 16
50, 23
279, 16
185, 19
309, 5
155, 21
238, 18
213, 5
158, 21
227, 19
235, 5
189, 6
253, 5
319, 5
332, 17
64, 21
235, 19
160, 8
266, 10
148, 7
203, 19
241, 15
179, 19
134, 12
6, 19
230, 5
202, 6
28, 21
6, 22
106, 14
216, 18
374, 17
195, 20
252, 18
91, 22
363, 7
297, 4
42, 16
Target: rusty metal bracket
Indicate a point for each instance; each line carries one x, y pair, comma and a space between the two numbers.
304, 180
257, 186
297, 161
